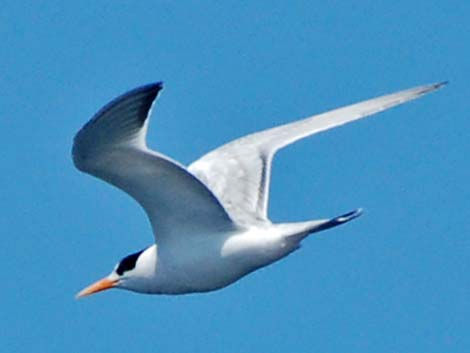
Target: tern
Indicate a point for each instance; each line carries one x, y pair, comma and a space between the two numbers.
209, 220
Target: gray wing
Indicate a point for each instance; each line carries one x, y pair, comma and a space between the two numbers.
112, 147
238, 173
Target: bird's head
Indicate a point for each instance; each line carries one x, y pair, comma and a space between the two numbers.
131, 273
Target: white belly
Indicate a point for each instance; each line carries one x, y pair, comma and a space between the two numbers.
215, 264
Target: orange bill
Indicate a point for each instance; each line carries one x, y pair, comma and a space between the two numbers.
98, 286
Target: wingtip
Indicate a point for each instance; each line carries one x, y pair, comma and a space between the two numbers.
151, 91
440, 84
158, 84
430, 88
154, 87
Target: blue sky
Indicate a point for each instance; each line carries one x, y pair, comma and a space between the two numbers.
395, 280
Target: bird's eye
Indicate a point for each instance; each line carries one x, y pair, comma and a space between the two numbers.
128, 263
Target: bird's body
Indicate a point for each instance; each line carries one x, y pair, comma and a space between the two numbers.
214, 264
210, 220
216, 260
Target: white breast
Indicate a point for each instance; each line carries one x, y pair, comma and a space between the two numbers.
215, 264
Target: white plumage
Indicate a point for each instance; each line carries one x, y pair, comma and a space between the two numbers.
210, 220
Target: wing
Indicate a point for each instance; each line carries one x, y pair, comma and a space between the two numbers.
112, 147
238, 173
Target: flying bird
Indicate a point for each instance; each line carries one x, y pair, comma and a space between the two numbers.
209, 220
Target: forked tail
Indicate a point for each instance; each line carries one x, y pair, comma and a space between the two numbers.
299, 230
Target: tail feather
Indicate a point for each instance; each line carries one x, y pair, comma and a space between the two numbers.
300, 230
337, 221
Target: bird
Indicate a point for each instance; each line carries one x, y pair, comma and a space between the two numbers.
210, 219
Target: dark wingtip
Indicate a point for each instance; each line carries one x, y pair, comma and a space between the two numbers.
152, 89
440, 84
146, 93
430, 88
156, 85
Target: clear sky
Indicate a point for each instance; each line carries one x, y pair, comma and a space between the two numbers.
395, 280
